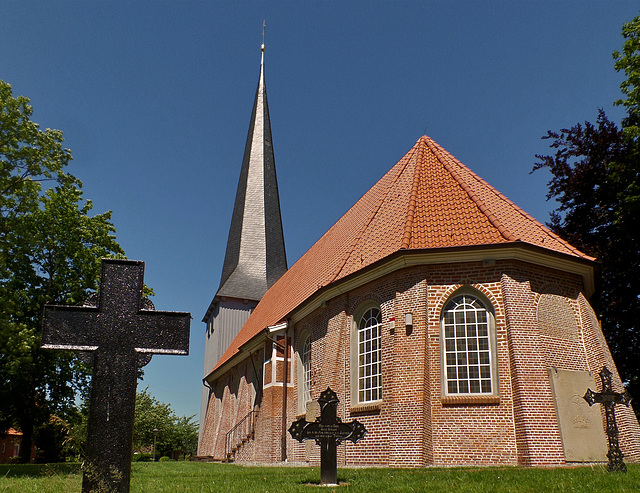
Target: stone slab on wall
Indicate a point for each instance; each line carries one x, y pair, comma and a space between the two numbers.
583, 436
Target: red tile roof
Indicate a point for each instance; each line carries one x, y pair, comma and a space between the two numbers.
428, 200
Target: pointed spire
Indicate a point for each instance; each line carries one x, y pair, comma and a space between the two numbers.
255, 256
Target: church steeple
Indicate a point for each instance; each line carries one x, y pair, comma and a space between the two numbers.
255, 256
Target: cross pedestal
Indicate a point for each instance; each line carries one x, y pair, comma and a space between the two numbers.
328, 431
608, 398
119, 331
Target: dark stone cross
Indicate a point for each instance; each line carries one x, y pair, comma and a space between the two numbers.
117, 332
608, 398
328, 431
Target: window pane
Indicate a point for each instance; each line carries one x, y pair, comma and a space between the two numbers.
471, 318
369, 356
465, 326
305, 357
484, 358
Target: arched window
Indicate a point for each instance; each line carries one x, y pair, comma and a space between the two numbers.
369, 361
468, 350
305, 368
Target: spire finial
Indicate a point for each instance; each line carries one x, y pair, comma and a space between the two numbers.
264, 24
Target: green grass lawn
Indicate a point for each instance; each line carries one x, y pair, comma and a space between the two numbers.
177, 477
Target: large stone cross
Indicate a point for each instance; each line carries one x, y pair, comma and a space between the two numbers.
118, 332
608, 398
328, 431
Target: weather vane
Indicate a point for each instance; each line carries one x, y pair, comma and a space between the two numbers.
264, 25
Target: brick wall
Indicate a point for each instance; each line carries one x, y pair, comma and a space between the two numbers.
541, 320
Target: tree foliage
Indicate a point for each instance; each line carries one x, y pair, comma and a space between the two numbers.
176, 436
629, 62
596, 182
50, 250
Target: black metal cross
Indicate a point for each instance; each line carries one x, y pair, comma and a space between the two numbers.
120, 331
328, 431
608, 398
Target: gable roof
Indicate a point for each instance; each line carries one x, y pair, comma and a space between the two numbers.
429, 200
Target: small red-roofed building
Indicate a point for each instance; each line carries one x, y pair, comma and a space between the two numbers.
10, 444
452, 324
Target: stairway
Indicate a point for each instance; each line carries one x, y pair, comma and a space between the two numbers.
239, 435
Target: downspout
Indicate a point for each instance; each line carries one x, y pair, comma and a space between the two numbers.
206, 411
285, 381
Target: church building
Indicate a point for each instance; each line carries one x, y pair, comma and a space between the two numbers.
452, 324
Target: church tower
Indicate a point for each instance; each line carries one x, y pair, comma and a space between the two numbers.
255, 257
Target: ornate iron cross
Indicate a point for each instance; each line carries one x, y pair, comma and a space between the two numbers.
328, 431
118, 332
608, 398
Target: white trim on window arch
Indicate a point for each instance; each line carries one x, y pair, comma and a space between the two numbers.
469, 363
366, 354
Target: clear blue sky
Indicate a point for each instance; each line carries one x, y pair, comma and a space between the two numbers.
154, 99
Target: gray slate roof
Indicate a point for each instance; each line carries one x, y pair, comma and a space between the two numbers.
255, 256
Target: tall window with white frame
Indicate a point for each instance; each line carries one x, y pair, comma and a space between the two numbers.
370, 356
468, 355
305, 363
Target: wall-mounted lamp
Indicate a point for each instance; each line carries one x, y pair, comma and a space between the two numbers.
408, 323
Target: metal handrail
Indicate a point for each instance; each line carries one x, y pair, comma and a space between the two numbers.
239, 433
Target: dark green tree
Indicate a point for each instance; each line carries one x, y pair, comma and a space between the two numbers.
175, 436
596, 182
50, 250
629, 62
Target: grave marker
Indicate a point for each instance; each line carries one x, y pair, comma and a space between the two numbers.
120, 332
328, 431
608, 398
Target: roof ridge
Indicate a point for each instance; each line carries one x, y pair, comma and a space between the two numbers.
437, 151
373, 214
515, 206
411, 208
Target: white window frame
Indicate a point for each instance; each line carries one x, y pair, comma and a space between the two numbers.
366, 356
303, 371
469, 360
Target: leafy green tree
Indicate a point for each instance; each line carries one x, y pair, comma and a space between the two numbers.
185, 441
629, 62
596, 182
50, 250
175, 435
